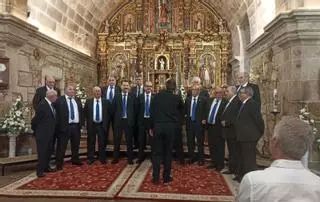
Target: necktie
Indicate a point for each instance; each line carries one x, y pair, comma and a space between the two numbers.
240, 87
124, 106
71, 109
53, 110
194, 105
213, 112
240, 110
138, 91
111, 94
97, 111
147, 107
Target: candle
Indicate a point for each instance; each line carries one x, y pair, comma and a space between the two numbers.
148, 76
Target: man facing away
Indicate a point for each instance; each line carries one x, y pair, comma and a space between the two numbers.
96, 115
286, 179
44, 124
166, 110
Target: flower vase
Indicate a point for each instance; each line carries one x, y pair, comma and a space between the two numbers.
12, 144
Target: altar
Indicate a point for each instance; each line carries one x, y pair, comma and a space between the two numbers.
164, 39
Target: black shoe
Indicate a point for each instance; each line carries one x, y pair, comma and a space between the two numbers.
200, 163
40, 174
90, 162
130, 162
103, 162
212, 167
77, 163
50, 170
167, 181
228, 172
191, 161
155, 182
115, 161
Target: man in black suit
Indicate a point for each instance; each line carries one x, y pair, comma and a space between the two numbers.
144, 118
214, 110
124, 121
69, 123
41, 91
44, 124
195, 120
136, 92
109, 93
243, 79
203, 92
166, 110
229, 117
249, 129
96, 115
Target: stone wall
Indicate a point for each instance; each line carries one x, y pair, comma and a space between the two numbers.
287, 57
33, 55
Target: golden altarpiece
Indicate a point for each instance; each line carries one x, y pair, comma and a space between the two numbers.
164, 39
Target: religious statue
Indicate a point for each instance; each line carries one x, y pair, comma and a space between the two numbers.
198, 23
163, 14
204, 73
129, 24
106, 27
162, 63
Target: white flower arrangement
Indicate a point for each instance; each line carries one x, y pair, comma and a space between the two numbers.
306, 117
81, 93
14, 121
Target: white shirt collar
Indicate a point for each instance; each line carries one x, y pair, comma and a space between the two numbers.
285, 163
124, 94
67, 97
195, 97
232, 98
244, 85
49, 88
244, 102
145, 93
49, 102
95, 99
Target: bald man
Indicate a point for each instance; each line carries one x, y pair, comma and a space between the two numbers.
203, 92
96, 116
41, 91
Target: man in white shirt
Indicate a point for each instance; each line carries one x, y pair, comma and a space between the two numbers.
286, 179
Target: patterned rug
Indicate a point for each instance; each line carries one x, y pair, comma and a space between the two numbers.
190, 182
86, 181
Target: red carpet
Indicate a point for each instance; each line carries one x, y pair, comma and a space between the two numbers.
95, 177
190, 182
189, 179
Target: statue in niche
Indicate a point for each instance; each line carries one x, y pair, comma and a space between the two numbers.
162, 63
198, 23
207, 69
222, 25
106, 27
129, 24
163, 14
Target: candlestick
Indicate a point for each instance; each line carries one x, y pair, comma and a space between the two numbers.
275, 93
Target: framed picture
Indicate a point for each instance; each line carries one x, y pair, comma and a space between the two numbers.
4, 73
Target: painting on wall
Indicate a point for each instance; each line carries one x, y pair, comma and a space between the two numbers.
164, 15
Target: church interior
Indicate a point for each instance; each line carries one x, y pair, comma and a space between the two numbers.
82, 42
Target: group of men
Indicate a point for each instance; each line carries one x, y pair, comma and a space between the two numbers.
229, 115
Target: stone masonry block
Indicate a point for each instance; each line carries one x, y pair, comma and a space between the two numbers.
55, 14
79, 20
25, 79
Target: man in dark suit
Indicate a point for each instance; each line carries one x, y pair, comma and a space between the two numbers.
249, 129
243, 79
229, 117
165, 111
44, 124
124, 121
136, 92
41, 91
214, 110
41, 94
203, 92
69, 123
109, 93
195, 120
144, 118
96, 115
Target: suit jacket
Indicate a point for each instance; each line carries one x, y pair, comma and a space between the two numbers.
230, 117
209, 102
200, 110
62, 110
134, 91
166, 108
256, 93
249, 124
130, 109
141, 107
40, 95
111, 106
88, 114
44, 121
